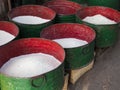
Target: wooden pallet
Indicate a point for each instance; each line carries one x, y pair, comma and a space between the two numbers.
76, 74
65, 87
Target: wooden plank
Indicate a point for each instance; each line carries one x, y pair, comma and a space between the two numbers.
9, 4
65, 87
77, 73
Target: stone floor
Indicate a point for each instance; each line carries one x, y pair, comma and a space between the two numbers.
106, 72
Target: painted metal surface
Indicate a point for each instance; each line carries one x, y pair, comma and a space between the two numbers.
79, 57
53, 80
106, 35
10, 28
30, 30
16, 3
65, 10
80, 1
108, 3
65, 19
75, 57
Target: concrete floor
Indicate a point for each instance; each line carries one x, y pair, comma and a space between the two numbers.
106, 72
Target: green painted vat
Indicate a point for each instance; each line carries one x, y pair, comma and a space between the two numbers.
16, 3
32, 30
83, 2
76, 57
24, 2
106, 35
10, 28
115, 4
65, 10
53, 80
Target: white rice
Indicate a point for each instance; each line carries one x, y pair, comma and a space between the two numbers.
98, 20
30, 65
30, 20
70, 42
5, 37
